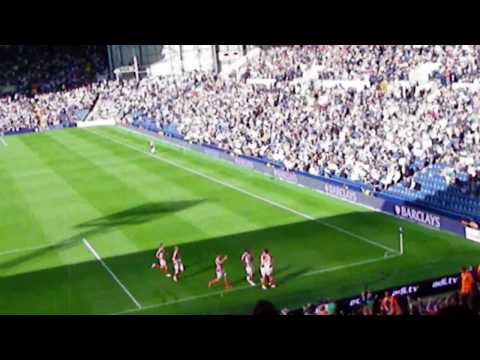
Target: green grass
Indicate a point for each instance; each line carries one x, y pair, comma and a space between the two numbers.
59, 187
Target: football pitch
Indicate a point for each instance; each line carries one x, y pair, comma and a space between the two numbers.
83, 211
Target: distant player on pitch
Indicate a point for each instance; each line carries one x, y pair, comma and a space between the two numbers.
177, 264
161, 261
266, 270
220, 272
247, 260
153, 148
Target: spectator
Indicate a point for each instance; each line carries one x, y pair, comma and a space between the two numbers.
467, 288
264, 307
386, 304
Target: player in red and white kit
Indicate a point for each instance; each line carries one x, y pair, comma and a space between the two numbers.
161, 261
247, 260
266, 269
220, 272
177, 264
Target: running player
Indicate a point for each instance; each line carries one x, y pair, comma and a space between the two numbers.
220, 272
153, 148
161, 262
247, 259
177, 264
266, 269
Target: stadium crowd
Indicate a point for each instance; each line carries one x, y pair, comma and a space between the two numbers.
43, 68
43, 87
373, 62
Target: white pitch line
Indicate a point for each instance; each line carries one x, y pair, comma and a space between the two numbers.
315, 272
92, 250
340, 267
3, 141
258, 197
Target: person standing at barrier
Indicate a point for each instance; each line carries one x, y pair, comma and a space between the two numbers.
385, 304
478, 273
395, 308
466, 289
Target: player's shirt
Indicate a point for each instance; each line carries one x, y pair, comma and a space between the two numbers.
161, 254
266, 260
247, 259
219, 264
176, 257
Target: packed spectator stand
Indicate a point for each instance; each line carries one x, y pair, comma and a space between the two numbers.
361, 113
47, 87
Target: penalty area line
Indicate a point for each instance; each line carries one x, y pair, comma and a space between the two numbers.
124, 288
221, 293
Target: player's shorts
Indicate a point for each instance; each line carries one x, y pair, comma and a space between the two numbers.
221, 274
178, 267
249, 270
162, 263
266, 271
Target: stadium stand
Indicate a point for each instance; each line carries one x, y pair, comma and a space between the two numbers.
47, 87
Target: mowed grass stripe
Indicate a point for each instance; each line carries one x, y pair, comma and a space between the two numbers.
26, 286
94, 185
146, 189
236, 211
18, 227
50, 151
51, 223
24, 221
174, 184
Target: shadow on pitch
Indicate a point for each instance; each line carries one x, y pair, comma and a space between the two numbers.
134, 216
139, 214
297, 248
